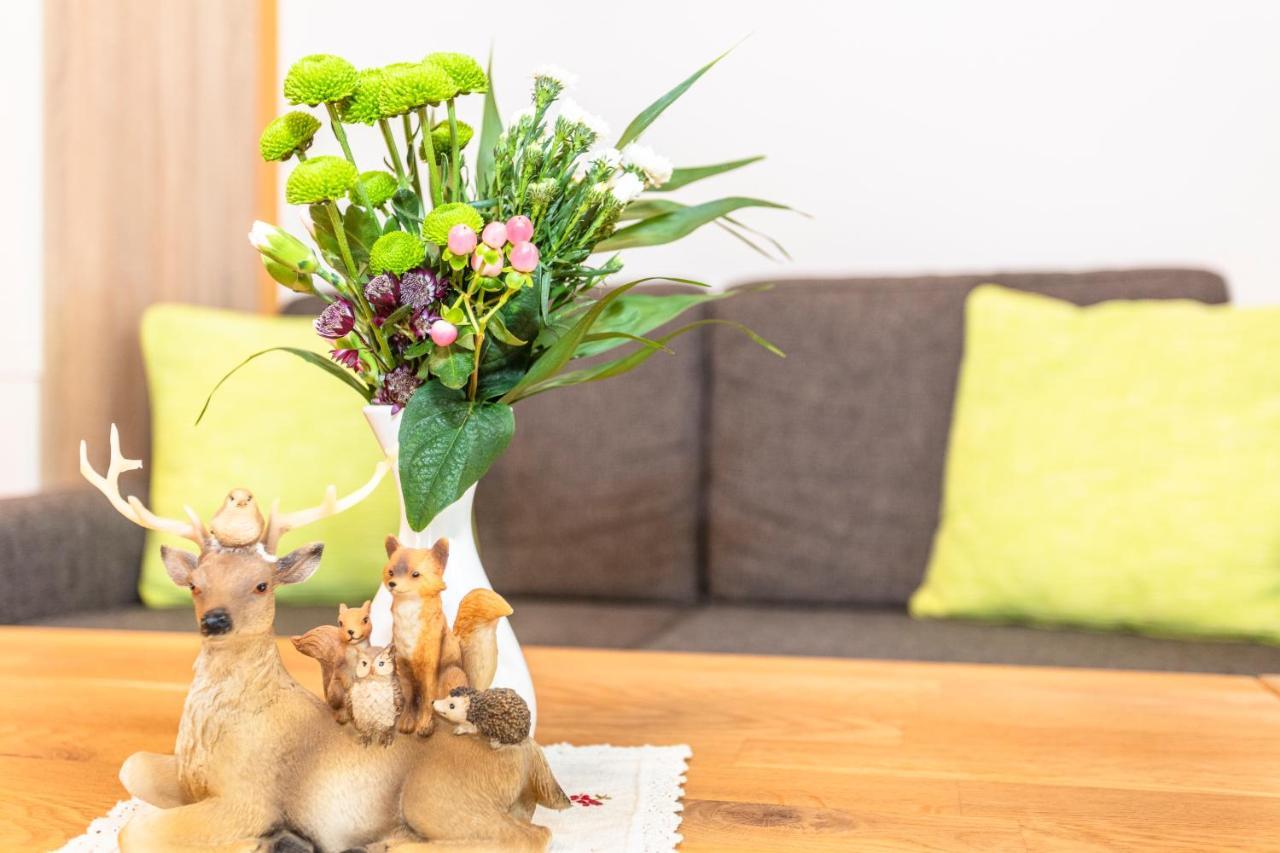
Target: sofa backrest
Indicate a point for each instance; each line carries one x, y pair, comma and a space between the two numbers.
824, 470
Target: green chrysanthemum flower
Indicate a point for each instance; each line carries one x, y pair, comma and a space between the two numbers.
286, 134
464, 70
435, 228
378, 186
409, 85
362, 106
320, 78
319, 179
440, 135
395, 252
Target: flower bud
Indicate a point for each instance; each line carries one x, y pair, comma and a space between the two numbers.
443, 333
336, 320
348, 358
494, 235
383, 293
519, 229
462, 239
523, 257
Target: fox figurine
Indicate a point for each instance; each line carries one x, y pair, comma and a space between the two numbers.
431, 659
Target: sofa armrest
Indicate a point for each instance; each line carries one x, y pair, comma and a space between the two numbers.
65, 551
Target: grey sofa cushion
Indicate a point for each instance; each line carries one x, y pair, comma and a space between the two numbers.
599, 493
825, 469
889, 633
64, 551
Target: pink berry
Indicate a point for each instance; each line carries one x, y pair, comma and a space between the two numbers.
494, 234
523, 256
519, 229
462, 239
486, 268
443, 333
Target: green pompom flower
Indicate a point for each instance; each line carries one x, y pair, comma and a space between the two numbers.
378, 186
395, 252
440, 135
320, 78
464, 70
319, 179
362, 106
409, 85
435, 228
286, 134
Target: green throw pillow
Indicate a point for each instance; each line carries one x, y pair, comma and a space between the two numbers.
279, 427
1115, 466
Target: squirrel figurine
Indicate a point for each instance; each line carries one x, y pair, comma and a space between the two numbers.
431, 659
498, 714
336, 648
374, 700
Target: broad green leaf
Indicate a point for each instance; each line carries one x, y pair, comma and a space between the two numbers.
684, 177
447, 443
419, 349
407, 208
498, 327
641, 313
490, 129
495, 383
306, 355
649, 207
452, 367
651, 112
362, 230
558, 354
633, 360
326, 241
671, 226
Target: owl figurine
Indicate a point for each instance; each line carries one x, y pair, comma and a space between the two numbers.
238, 522
374, 701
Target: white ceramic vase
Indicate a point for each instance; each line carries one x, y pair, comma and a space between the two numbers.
463, 573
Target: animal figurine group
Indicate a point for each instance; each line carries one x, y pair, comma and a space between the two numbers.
261, 762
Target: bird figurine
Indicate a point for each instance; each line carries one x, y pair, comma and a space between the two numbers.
374, 700
238, 522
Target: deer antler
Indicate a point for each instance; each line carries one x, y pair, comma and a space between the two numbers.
281, 523
130, 507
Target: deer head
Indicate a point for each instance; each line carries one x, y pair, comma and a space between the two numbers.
232, 586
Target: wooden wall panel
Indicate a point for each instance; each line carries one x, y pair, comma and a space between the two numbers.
152, 179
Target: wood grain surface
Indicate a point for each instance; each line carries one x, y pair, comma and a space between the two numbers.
788, 753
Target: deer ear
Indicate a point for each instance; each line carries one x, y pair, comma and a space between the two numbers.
441, 550
299, 564
179, 564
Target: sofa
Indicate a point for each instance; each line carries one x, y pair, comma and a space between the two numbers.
720, 500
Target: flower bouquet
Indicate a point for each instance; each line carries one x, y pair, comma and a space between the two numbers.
459, 285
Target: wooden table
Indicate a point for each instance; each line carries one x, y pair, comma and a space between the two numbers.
788, 753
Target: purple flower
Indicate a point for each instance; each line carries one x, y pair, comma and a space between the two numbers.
397, 387
348, 358
419, 288
336, 320
383, 293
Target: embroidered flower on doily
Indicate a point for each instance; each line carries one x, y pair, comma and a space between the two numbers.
589, 799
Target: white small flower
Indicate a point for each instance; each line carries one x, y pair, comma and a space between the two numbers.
566, 79
260, 235
605, 155
572, 112
627, 188
657, 169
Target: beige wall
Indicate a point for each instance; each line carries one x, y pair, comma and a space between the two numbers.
152, 179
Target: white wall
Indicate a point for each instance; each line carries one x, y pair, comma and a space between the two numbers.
20, 248
934, 136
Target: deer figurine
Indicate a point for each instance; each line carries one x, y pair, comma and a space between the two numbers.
259, 757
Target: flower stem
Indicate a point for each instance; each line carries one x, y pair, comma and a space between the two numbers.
433, 167
413, 156
453, 152
341, 134
340, 235
387, 137
479, 344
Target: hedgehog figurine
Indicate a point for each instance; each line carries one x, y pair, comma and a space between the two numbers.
498, 714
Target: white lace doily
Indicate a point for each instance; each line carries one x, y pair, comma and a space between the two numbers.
625, 799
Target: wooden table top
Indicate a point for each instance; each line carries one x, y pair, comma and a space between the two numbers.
788, 753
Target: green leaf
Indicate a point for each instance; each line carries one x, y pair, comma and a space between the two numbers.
639, 314
671, 226
559, 353
306, 355
633, 360
500, 331
447, 443
362, 230
407, 208
684, 177
490, 129
651, 112
420, 349
452, 367
326, 241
